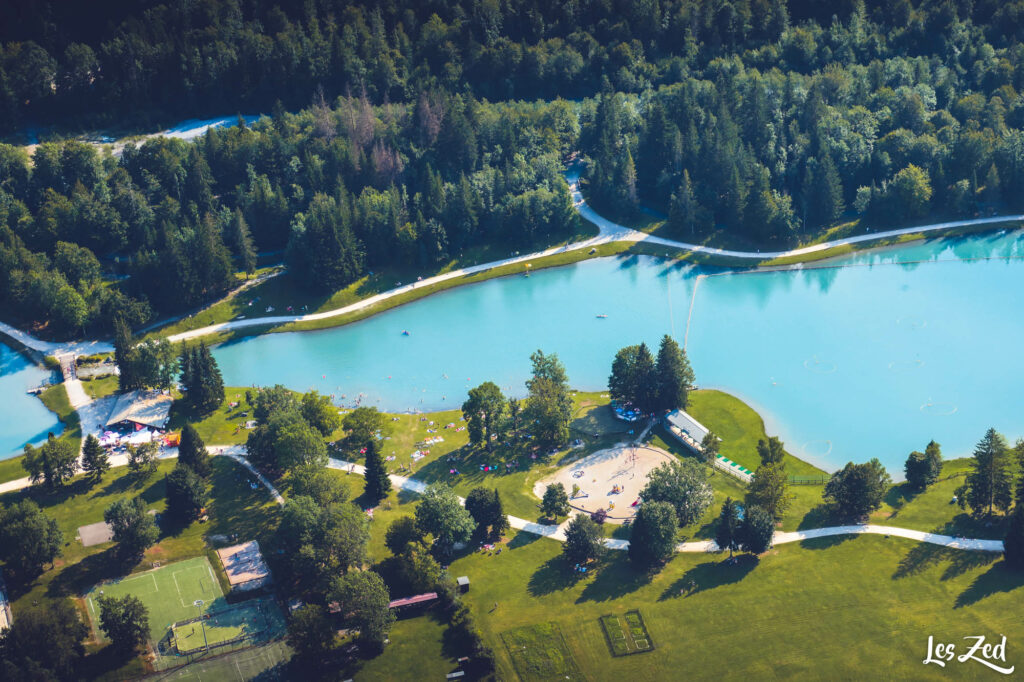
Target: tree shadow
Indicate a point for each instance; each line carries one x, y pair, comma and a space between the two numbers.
554, 575
78, 578
899, 495
711, 574
615, 579
827, 542
818, 517
522, 539
925, 555
999, 578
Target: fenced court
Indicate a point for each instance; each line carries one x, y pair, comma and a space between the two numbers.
626, 634
265, 662
169, 593
216, 629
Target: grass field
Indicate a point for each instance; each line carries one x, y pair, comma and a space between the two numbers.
538, 652
100, 386
169, 593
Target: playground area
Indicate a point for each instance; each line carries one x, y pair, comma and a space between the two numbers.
608, 479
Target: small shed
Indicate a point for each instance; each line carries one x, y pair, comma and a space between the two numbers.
463, 582
417, 600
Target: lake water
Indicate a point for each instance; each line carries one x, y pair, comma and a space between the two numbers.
23, 417
871, 356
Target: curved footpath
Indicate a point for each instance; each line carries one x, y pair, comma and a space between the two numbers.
236, 452
781, 538
608, 232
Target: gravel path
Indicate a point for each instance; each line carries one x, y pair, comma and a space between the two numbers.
781, 538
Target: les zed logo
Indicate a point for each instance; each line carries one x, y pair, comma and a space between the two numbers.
980, 651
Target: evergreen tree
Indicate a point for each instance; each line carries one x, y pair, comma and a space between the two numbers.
186, 493
648, 383
675, 376
126, 356
201, 379
95, 460
192, 452
378, 485
989, 485
727, 529
758, 530
683, 209
823, 198
1013, 542
241, 243
548, 404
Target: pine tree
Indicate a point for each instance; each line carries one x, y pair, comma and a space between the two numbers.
646, 374
94, 458
992, 192
242, 244
1013, 543
989, 484
627, 183
192, 451
378, 485
683, 211
727, 530
125, 355
498, 518
823, 193
675, 375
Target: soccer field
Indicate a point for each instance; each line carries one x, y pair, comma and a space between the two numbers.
169, 593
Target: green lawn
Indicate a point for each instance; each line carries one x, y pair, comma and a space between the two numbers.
11, 469
418, 651
100, 386
821, 609
539, 653
56, 400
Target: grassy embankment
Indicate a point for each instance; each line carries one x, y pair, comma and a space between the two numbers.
283, 291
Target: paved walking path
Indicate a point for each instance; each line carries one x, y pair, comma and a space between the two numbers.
608, 231
781, 538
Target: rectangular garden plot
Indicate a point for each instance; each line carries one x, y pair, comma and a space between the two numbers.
539, 652
626, 634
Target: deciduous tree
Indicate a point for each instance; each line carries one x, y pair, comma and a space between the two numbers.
684, 485
125, 620
652, 537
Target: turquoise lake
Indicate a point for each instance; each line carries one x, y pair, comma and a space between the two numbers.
871, 355
24, 418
